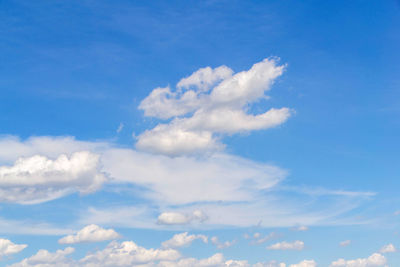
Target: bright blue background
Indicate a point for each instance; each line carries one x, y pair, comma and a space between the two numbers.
80, 68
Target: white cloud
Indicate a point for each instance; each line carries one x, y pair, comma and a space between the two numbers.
184, 180
269, 264
128, 254
204, 78
389, 248
230, 190
374, 260
120, 127
7, 247
171, 218
90, 233
345, 243
301, 228
258, 238
199, 116
305, 263
217, 260
28, 227
38, 179
222, 245
12, 148
295, 245
44, 258
182, 240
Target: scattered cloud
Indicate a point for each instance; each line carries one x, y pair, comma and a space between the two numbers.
389, 248
7, 247
38, 179
345, 243
222, 245
44, 258
128, 253
183, 240
374, 260
90, 233
208, 104
300, 228
170, 218
305, 263
295, 245
270, 264
257, 238
120, 127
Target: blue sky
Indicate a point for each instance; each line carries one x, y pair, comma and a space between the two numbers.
248, 133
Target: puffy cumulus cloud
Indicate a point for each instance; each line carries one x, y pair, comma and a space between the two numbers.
345, 243
44, 258
375, 260
305, 263
90, 233
7, 247
295, 245
38, 179
222, 245
182, 240
171, 218
389, 248
208, 104
128, 254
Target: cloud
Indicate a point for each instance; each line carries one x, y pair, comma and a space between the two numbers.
228, 190
120, 127
200, 115
90, 233
300, 228
257, 238
170, 218
269, 264
38, 179
7, 247
345, 243
204, 78
216, 260
222, 245
128, 253
305, 263
12, 148
389, 248
28, 227
44, 258
374, 260
182, 240
295, 245
185, 180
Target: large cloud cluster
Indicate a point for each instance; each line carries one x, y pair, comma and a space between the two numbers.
207, 104
37, 178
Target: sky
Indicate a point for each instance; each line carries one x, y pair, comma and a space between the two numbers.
199, 133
